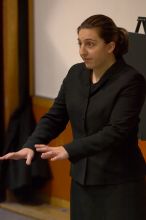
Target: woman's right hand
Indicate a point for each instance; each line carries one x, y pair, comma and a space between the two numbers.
25, 153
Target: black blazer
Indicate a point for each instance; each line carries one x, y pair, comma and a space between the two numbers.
105, 148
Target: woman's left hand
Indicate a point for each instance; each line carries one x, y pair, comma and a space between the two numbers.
52, 153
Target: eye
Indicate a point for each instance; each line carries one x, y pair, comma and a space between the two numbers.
90, 44
79, 44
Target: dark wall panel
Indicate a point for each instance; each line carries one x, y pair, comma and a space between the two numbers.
137, 58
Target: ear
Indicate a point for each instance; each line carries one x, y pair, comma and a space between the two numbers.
111, 47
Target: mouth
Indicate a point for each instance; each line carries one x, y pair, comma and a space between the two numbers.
86, 60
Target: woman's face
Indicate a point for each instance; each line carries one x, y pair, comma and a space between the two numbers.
93, 50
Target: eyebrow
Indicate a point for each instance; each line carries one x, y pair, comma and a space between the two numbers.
87, 39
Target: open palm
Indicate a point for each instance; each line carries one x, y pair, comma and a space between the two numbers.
25, 153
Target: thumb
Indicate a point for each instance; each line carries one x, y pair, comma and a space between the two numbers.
29, 158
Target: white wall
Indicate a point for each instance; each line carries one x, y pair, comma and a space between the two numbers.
56, 46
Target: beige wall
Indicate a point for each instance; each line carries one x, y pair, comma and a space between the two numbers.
55, 34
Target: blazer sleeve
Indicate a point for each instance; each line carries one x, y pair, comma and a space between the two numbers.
123, 120
52, 123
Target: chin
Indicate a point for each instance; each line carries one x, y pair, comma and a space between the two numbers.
89, 66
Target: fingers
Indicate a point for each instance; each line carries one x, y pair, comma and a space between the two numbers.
52, 156
47, 152
55, 153
24, 153
29, 158
11, 155
48, 155
42, 148
57, 157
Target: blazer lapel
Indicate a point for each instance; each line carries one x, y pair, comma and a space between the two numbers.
85, 81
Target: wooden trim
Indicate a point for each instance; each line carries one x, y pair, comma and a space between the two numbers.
54, 201
10, 36
1, 78
41, 101
31, 45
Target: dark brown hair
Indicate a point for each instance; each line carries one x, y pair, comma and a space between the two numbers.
108, 31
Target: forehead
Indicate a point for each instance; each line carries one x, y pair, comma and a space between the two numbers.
87, 33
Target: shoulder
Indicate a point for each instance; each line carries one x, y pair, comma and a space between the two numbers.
77, 67
130, 75
75, 71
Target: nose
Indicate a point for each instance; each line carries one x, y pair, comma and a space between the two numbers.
82, 50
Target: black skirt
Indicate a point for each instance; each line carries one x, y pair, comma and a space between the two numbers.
126, 201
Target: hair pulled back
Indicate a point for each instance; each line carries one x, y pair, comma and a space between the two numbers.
108, 31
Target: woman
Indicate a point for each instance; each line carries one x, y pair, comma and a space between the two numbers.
102, 97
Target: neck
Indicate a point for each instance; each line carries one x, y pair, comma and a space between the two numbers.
99, 72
